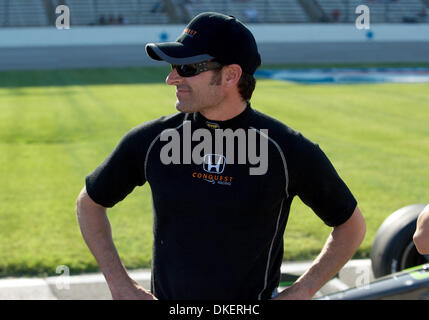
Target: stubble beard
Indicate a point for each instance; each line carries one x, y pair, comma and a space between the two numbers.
200, 103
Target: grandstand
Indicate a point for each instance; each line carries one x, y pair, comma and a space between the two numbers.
22, 13
388, 11
18, 13
273, 11
104, 12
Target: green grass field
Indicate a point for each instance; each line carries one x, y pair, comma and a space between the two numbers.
57, 126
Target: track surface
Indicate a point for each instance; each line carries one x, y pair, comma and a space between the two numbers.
63, 57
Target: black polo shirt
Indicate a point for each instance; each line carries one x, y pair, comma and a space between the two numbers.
218, 230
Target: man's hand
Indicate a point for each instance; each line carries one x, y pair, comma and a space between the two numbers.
293, 293
133, 292
342, 243
96, 231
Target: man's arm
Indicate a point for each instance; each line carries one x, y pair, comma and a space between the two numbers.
96, 231
421, 235
342, 243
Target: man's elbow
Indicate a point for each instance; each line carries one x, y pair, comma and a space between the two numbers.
84, 203
363, 227
354, 229
81, 200
359, 225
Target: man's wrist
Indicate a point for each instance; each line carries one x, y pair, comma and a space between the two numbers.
296, 292
118, 278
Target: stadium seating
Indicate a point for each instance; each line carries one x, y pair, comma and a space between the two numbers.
84, 12
16, 13
22, 13
382, 11
404, 11
271, 11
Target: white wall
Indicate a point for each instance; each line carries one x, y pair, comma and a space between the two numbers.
123, 46
131, 35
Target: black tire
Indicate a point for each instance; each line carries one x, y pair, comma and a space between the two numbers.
393, 248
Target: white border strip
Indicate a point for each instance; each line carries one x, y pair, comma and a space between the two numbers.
264, 33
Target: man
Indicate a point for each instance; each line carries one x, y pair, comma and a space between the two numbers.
421, 235
218, 222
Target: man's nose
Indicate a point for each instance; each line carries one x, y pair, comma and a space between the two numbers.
173, 78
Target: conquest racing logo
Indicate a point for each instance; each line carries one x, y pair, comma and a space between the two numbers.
213, 165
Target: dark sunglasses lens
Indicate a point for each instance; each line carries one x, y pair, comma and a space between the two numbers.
185, 70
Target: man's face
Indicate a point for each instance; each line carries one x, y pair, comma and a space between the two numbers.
197, 93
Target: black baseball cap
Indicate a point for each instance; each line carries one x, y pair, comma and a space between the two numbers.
211, 35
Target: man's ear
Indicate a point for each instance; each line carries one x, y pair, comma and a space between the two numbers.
232, 74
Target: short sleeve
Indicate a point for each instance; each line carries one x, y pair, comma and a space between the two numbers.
119, 173
320, 187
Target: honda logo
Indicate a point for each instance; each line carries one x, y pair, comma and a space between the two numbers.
214, 163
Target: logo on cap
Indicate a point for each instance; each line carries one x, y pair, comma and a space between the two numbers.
190, 32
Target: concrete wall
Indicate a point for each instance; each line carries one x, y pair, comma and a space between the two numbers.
117, 46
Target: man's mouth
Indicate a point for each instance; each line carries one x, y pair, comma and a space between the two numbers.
182, 91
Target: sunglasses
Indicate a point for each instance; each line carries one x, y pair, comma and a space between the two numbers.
190, 70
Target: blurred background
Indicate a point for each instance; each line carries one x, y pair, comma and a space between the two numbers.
113, 33
67, 95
